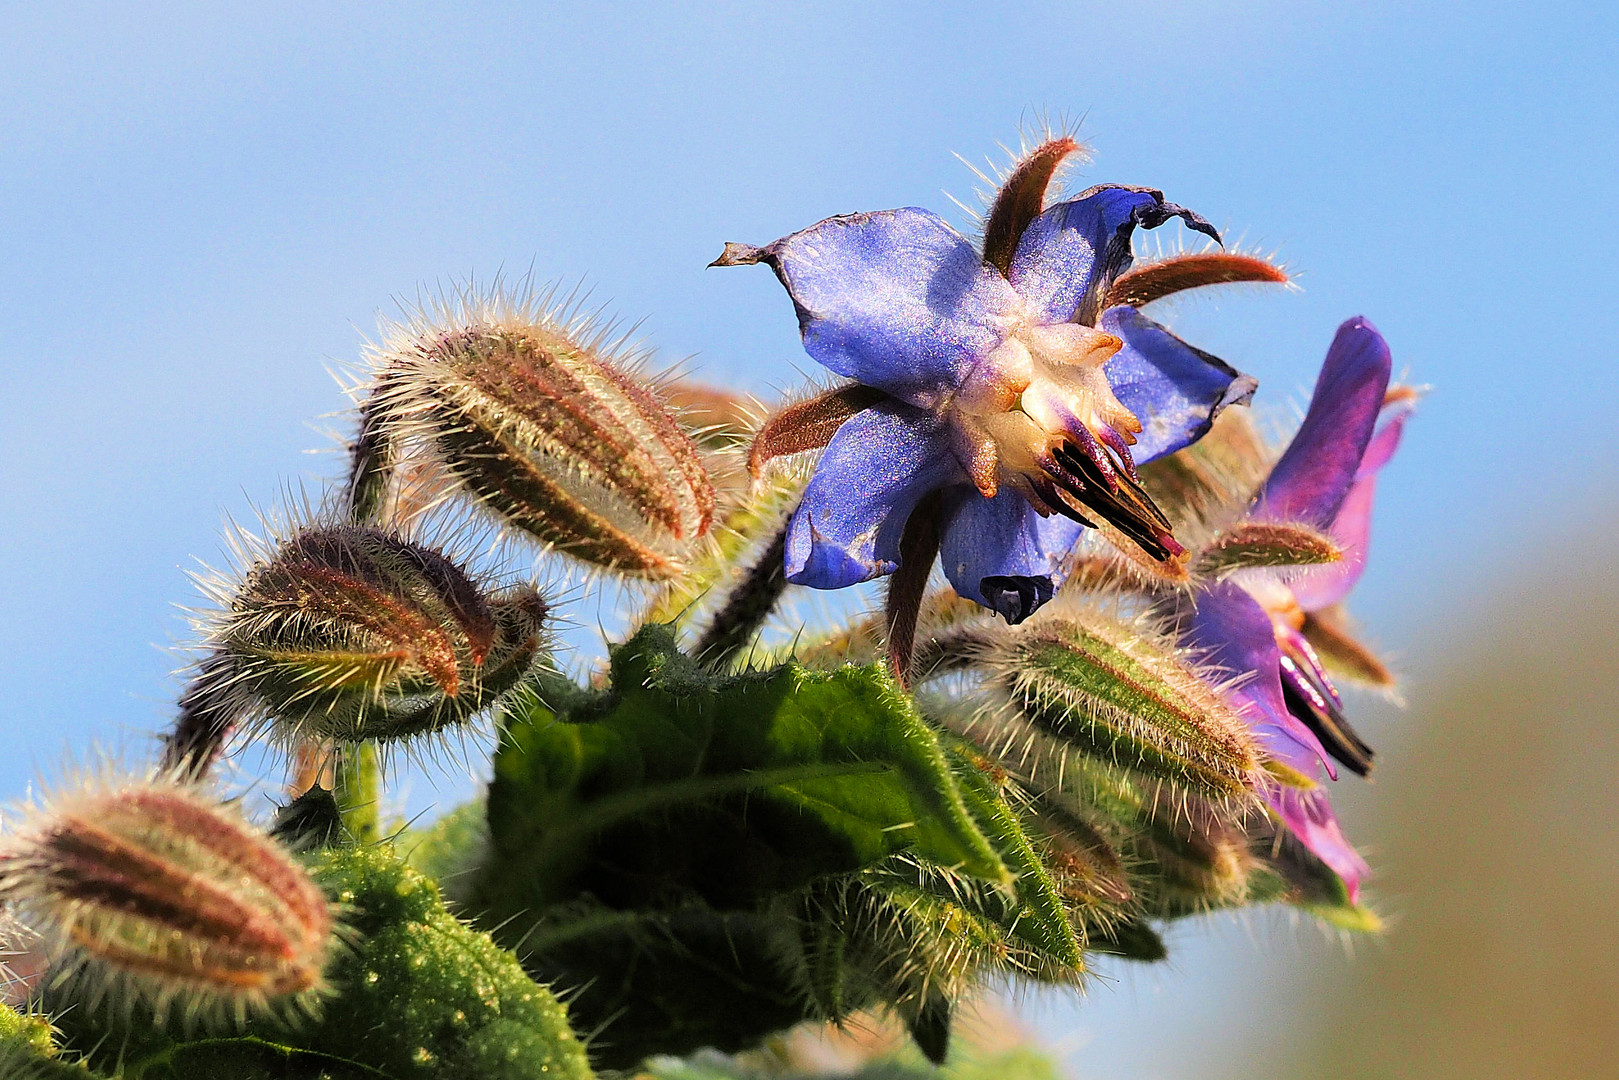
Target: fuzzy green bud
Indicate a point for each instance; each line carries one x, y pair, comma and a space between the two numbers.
351, 632
1120, 693
543, 426
153, 889
1252, 544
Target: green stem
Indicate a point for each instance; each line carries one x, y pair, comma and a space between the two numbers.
357, 789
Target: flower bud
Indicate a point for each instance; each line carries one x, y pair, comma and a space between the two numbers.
1255, 544
151, 888
1119, 694
1198, 853
538, 422
351, 632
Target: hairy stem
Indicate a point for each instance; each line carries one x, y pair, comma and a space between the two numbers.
371, 461
748, 606
205, 720
357, 788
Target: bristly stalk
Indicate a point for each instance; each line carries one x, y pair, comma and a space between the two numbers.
357, 787
748, 606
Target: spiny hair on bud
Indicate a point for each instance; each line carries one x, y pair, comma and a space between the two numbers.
544, 417
1046, 146
339, 631
148, 893
1122, 691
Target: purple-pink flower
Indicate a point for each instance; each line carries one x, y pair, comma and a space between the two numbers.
1252, 624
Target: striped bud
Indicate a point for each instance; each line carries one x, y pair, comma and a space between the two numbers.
1254, 544
153, 889
1198, 852
351, 632
1118, 693
540, 423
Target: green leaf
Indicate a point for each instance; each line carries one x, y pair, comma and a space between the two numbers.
669, 982
676, 784
1038, 916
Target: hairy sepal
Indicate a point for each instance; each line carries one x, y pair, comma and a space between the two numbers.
1122, 693
545, 425
1260, 544
151, 894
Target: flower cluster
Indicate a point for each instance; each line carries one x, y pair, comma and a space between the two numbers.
1004, 398
729, 826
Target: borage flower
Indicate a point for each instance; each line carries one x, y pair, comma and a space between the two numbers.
1260, 624
1002, 397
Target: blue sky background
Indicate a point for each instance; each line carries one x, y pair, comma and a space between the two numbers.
203, 209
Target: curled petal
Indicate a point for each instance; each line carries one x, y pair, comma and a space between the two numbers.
881, 463
1174, 389
1309, 815
1352, 528
1233, 632
896, 299
1071, 253
1002, 554
1312, 478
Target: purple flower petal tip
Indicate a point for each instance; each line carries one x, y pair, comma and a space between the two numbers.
1309, 816
1310, 481
1175, 389
895, 299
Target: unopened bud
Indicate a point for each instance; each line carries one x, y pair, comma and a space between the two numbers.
351, 632
539, 423
1253, 544
1117, 692
1198, 852
151, 888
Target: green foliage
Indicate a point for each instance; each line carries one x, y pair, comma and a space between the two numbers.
418, 994
27, 1051
675, 784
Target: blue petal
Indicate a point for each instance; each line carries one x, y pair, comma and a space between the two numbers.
897, 299
1000, 553
876, 469
1073, 250
1175, 390
1310, 481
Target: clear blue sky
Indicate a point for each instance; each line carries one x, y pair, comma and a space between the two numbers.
203, 208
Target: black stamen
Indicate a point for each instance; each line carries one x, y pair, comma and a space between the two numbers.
1314, 703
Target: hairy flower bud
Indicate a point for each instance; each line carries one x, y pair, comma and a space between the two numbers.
154, 889
1199, 853
541, 423
1254, 544
1118, 693
352, 632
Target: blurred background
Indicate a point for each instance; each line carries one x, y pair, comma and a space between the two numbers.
204, 208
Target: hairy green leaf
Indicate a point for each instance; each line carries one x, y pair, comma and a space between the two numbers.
676, 784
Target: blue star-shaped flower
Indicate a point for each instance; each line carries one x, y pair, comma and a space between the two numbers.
1016, 387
